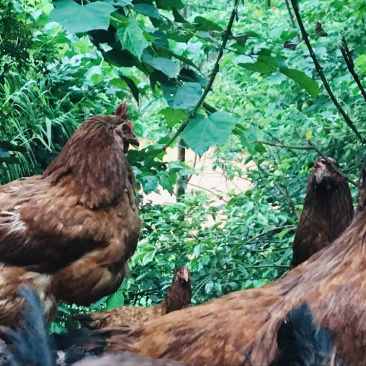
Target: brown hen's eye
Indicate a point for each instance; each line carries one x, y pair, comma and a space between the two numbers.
126, 128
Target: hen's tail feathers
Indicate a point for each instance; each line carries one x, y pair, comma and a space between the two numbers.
30, 344
300, 340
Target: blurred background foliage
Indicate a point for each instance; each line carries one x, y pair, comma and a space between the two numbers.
63, 61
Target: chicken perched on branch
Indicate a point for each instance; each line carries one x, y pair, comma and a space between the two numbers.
328, 211
70, 231
178, 297
240, 328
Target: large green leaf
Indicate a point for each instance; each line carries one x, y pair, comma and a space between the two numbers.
310, 85
169, 4
264, 64
203, 132
168, 67
173, 116
132, 39
119, 2
82, 18
202, 23
147, 9
184, 97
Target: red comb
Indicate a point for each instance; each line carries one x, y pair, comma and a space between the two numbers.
122, 112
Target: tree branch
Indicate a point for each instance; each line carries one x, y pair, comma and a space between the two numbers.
350, 65
212, 78
312, 147
290, 13
320, 72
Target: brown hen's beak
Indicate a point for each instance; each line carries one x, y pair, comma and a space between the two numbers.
185, 273
134, 140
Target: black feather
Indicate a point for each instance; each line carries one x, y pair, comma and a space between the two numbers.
302, 342
30, 344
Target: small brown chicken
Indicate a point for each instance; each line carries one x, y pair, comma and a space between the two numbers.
178, 297
70, 231
328, 211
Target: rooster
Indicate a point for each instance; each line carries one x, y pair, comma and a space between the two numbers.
328, 210
178, 297
70, 231
240, 328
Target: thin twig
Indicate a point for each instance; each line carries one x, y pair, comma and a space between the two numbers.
208, 190
314, 148
350, 65
212, 78
320, 72
290, 13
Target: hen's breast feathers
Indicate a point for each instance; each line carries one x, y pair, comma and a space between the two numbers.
44, 228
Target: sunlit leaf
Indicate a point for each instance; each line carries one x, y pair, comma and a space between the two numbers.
203, 132
81, 18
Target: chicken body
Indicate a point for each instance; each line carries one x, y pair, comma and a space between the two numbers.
223, 331
178, 297
327, 212
70, 232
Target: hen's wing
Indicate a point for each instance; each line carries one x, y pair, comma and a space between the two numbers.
43, 228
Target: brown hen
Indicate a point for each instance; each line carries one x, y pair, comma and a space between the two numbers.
70, 231
327, 212
178, 297
244, 324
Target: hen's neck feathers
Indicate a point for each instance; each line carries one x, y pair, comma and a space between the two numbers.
177, 297
91, 165
330, 199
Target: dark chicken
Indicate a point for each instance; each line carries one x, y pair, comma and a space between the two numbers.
69, 232
178, 297
301, 342
327, 212
240, 328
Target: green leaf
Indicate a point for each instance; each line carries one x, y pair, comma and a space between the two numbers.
149, 183
202, 23
132, 39
4, 153
168, 67
208, 287
135, 92
264, 64
121, 58
282, 233
81, 18
6, 145
203, 132
308, 134
115, 300
173, 116
179, 35
119, 2
310, 85
169, 4
184, 97
147, 9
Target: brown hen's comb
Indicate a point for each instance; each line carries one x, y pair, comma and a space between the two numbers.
122, 112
